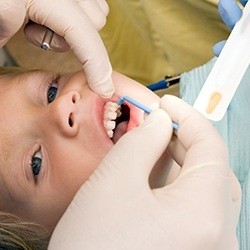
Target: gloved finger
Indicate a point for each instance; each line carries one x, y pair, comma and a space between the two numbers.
236, 193
136, 153
174, 172
243, 2
82, 37
217, 48
176, 150
35, 34
104, 6
195, 133
230, 12
96, 11
116, 184
12, 17
205, 171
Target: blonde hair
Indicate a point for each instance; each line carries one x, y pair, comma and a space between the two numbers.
17, 234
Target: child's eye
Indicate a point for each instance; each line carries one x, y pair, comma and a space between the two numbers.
52, 92
36, 163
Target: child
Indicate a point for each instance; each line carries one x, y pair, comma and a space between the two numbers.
54, 133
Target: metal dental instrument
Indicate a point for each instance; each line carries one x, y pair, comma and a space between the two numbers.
227, 72
47, 39
140, 106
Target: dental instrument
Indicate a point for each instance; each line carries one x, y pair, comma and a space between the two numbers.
45, 45
140, 106
164, 83
225, 76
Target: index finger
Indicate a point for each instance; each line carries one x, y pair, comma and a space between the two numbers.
229, 12
69, 21
12, 17
243, 2
202, 142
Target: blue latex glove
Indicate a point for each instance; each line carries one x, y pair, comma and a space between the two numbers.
230, 13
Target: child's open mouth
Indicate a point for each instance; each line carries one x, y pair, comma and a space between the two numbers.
118, 120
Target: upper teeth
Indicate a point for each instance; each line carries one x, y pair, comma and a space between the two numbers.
111, 112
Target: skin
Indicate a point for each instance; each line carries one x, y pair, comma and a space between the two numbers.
69, 151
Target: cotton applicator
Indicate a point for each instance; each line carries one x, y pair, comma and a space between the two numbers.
140, 106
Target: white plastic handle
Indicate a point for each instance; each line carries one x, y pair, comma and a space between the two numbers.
225, 76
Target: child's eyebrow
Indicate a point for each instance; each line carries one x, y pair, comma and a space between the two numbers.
37, 79
37, 73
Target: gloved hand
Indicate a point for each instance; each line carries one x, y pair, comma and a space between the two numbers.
116, 208
230, 13
76, 21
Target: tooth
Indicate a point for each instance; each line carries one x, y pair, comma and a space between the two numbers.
111, 111
110, 133
109, 124
118, 112
107, 104
110, 115
112, 106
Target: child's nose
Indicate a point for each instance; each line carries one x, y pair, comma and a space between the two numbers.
63, 113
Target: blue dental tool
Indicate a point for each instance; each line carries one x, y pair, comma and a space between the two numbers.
140, 106
164, 83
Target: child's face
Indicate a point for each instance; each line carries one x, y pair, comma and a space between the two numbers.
48, 150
